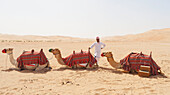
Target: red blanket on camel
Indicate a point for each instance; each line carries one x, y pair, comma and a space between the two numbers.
31, 57
78, 58
135, 60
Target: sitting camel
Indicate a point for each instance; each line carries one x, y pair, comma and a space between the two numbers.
113, 63
60, 60
30, 66
133, 62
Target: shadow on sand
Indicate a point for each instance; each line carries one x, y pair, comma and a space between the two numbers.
77, 69
104, 69
99, 69
110, 70
44, 71
159, 76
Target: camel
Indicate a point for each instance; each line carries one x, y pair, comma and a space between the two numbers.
113, 63
111, 60
117, 65
14, 62
56, 52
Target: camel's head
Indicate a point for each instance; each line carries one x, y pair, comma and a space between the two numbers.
8, 51
54, 51
107, 54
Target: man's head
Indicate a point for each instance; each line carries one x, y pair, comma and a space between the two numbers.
98, 39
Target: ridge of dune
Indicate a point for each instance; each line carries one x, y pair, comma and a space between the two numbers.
162, 35
39, 38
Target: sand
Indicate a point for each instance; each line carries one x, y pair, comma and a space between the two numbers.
102, 81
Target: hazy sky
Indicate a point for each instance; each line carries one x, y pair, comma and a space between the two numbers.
83, 18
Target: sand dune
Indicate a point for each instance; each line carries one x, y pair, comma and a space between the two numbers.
161, 35
102, 81
7, 37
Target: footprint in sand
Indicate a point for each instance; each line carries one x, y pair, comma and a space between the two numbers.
14, 88
144, 87
100, 89
152, 90
96, 94
66, 82
129, 88
28, 80
4, 88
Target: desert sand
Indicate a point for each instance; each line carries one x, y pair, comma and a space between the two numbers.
102, 81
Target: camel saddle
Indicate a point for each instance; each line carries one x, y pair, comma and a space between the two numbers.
79, 58
134, 61
31, 58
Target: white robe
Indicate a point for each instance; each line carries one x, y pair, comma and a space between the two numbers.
98, 47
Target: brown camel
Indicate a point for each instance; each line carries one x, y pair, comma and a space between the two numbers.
56, 52
111, 60
14, 62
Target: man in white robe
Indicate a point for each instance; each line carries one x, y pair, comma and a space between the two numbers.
98, 46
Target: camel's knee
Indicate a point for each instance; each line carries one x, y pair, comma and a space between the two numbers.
40, 67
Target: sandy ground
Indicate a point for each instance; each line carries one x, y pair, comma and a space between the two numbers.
102, 81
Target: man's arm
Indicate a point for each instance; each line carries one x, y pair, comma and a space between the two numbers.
92, 46
103, 45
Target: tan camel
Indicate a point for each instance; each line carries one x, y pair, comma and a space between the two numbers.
117, 65
113, 63
111, 60
56, 52
36, 67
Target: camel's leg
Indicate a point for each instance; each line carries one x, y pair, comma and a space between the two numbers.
19, 69
68, 67
16, 65
124, 71
40, 67
93, 66
48, 66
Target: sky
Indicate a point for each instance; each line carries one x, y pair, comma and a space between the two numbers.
83, 18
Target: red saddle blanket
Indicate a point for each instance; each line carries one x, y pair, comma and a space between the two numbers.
135, 60
31, 57
78, 58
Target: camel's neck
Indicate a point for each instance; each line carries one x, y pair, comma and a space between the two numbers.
113, 63
12, 60
59, 59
